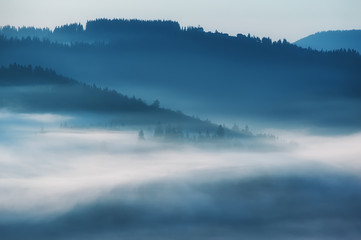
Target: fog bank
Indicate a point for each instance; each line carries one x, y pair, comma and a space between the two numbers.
98, 184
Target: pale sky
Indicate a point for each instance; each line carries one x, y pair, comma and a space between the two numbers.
278, 19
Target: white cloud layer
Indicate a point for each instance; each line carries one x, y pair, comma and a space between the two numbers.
55, 169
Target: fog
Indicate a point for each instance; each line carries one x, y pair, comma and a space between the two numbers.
63, 183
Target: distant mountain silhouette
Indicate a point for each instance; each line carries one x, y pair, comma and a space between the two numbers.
332, 40
199, 72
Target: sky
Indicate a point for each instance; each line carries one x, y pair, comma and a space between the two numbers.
278, 19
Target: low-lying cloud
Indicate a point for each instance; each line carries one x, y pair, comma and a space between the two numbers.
98, 184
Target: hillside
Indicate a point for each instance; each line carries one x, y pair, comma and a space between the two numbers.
332, 40
38, 90
203, 73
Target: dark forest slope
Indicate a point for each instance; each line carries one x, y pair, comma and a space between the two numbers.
38, 90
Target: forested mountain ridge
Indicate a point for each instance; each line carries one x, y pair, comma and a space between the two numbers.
28, 89
100, 30
35, 89
42, 89
122, 31
201, 72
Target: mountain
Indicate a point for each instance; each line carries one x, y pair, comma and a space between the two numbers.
204, 73
332, 40
26, 89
